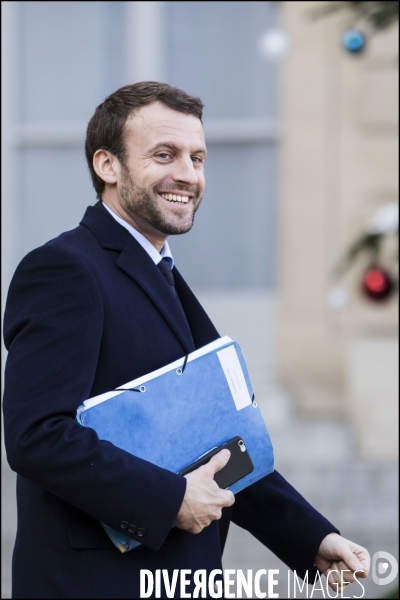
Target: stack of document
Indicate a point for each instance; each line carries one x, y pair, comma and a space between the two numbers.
174, 415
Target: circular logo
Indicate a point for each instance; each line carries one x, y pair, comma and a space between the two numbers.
384, 568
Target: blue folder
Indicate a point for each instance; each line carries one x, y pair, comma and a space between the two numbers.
176, 414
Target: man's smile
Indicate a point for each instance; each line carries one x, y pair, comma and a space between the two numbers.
176, 198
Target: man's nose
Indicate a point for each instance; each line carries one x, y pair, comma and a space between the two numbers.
185, 172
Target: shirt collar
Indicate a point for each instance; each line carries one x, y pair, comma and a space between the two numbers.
144, 242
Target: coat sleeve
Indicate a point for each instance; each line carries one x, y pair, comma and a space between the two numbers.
281, 519
53, 330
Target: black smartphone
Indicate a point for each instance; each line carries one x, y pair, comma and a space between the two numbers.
239, 464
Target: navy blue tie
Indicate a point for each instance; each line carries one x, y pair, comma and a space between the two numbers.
165, 268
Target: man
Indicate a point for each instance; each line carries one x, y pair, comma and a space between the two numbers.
92, 309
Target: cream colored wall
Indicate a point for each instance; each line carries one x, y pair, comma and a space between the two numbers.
338, 164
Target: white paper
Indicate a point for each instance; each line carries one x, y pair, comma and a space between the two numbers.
101, 398
141, 380
234, 375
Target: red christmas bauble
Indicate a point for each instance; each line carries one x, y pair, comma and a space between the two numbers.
377, 284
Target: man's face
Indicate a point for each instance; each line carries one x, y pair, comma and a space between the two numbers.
162, 183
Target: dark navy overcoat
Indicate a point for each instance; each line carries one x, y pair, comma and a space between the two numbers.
85, 313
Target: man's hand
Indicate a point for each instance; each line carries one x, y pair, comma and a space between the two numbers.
339, 558
204, 500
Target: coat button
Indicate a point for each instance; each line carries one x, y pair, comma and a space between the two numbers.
124, 524
141, 532
132, 528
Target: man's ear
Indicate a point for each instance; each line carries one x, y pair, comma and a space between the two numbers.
106, 166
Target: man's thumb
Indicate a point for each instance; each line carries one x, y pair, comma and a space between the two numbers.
218, 461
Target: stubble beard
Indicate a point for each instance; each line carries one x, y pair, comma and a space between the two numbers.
144, 203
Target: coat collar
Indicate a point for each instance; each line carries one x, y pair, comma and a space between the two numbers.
134, 261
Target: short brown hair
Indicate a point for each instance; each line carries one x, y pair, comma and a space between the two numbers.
106, 127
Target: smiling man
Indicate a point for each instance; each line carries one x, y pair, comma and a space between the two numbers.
101, 305
159, 186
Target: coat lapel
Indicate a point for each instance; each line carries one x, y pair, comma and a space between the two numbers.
151, 280
134, 261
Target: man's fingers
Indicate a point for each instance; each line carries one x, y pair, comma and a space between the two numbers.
351, 560
337, 577
339, 549
218, 461
354, 556
204, 500
364, 558
342, 561
333, 576
228, 498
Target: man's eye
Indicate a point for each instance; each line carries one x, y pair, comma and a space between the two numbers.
197, 159
163, 155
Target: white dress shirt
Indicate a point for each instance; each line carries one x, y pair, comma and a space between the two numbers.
144, 242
